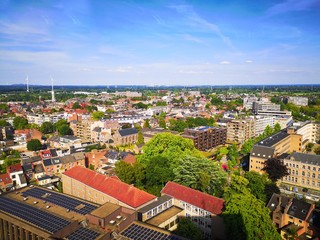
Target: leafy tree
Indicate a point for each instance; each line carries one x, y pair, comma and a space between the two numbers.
4, 123
261, 186
309, 147
146, 124
4, 107
97, 115
34, 145
186, 228
64, 130
76, 105
91, 167
32, 126
233, 155
200, 174
47, 127
140, 138
178, 125
169, 146
277, 128
247, 147
245, 216
60, 123
268, 131
20, 123
162, 123
140, 105
275, 169
124, 171
161, 103
158, 173
317, 150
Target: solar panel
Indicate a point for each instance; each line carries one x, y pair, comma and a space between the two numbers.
135, 231
37, 217
60, 200
83, 234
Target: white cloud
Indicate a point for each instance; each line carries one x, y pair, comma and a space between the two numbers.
292, 5
248, 61
225, 62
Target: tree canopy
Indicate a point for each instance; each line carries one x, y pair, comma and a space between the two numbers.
4, 123
186, 228
169, 146
245, 216
20, 123
201, 174
47, 127
275, 169
34, 145
97, 115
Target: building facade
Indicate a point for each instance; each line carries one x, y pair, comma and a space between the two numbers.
240, 130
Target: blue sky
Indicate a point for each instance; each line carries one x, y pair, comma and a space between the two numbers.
82, 42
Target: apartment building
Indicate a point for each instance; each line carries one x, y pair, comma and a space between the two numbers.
304, 170
82, 129
203, 209
261, 122
282, 142
265, 106
299, 101
240, 130
95, 187
205, 138
310, 132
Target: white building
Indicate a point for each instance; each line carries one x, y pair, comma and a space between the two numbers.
299, 101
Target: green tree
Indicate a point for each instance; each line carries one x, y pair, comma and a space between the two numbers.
277, 128
245, 216
169, 146
140, 138
125, 172
97, 115
309, 147
201, 174
47, 127
60, 123
178, 125
162, 123
76, 105
146, 124
158, 173
4, 123
64, 130
20, 123
268, 131
261, 186
233, 155
247, 147
161, 103
275, 169
34, 145
186, 228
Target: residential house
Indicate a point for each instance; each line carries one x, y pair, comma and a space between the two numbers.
16, 174
5, 182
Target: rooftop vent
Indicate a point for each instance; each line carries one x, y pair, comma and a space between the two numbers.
35, 202
25, 199
119, 217
68, 210
112, 222
47, 206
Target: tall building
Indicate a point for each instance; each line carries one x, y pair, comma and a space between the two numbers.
205, 138
282, 142
299, 101
261, 122
263, 106
240, 130
52, 92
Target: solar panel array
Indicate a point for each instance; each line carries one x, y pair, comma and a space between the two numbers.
83, 234
59, 200
37, 217
136, 232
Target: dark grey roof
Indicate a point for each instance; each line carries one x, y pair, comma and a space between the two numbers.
68, 159
276, 199
262, 151
127, 132
160, 200
51, 161
31, 160
306, 158
38, 168
299, 209
27, 167
69, 137
275, 138
96, 129
54, 139
314, 218
78, 156
53, 152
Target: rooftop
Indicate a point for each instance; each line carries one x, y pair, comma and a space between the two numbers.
306, 158
154, 204
128, 131
164, 216
272, 140
125, 193
199, 199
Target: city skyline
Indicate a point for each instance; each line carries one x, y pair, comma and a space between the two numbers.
160, 42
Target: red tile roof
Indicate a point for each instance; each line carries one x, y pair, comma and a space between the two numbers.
5, 179
14, 168
196, 198
130, 159
125, 193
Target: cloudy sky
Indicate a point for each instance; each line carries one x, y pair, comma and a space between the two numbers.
203, 42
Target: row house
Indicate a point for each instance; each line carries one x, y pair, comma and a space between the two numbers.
5, 182
16, 174
24, 136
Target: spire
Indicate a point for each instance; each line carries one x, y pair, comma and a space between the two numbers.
52, 92
27, 83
